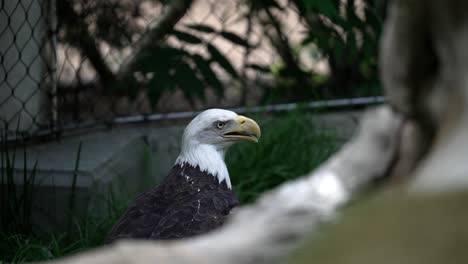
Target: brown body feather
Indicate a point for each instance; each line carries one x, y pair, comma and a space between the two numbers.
189, 202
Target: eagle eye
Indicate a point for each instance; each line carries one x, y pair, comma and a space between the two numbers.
220, 124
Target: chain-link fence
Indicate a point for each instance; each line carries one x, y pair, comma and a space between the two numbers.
27, 68
70, 64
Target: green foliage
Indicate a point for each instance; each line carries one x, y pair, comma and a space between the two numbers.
335, 30
175, 68
71, 202
18, 241
345, 33
83, 235
116, 24
15, 201
290, 146
349, 41
87, 234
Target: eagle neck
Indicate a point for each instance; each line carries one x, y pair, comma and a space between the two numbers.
208, 158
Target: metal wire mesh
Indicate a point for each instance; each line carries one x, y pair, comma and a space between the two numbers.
66, 64
27, 67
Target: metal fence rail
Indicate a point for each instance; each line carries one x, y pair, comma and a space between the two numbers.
327, 104
72, 64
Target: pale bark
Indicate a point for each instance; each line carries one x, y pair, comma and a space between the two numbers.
424, 68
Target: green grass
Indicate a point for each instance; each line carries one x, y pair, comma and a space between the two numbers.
15, 200
86, 234
290, 147
18, 240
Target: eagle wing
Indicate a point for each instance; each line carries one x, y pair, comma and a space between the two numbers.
155, 217
201, 214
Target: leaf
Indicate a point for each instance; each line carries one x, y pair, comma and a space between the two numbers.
373, 20
341, 22
157, 58
325, 7
186, 37
160, 61
338, 48
323, 43
351, 46
160, 83
219, 58
164, 58
189, 82
352, 17
258, 5
234, 38
126, 85
201, 28
258, 67
208, 74
153, 92
369, 47
144, 59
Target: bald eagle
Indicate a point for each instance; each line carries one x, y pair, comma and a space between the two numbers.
197, 194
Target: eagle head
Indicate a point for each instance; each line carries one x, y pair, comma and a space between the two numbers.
208, 136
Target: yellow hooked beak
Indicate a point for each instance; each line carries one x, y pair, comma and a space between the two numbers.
246, 129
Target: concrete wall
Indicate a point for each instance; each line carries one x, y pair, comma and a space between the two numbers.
122, 161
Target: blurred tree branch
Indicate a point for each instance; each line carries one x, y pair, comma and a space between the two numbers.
83, 38
173, 13
280, 42
79, 35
